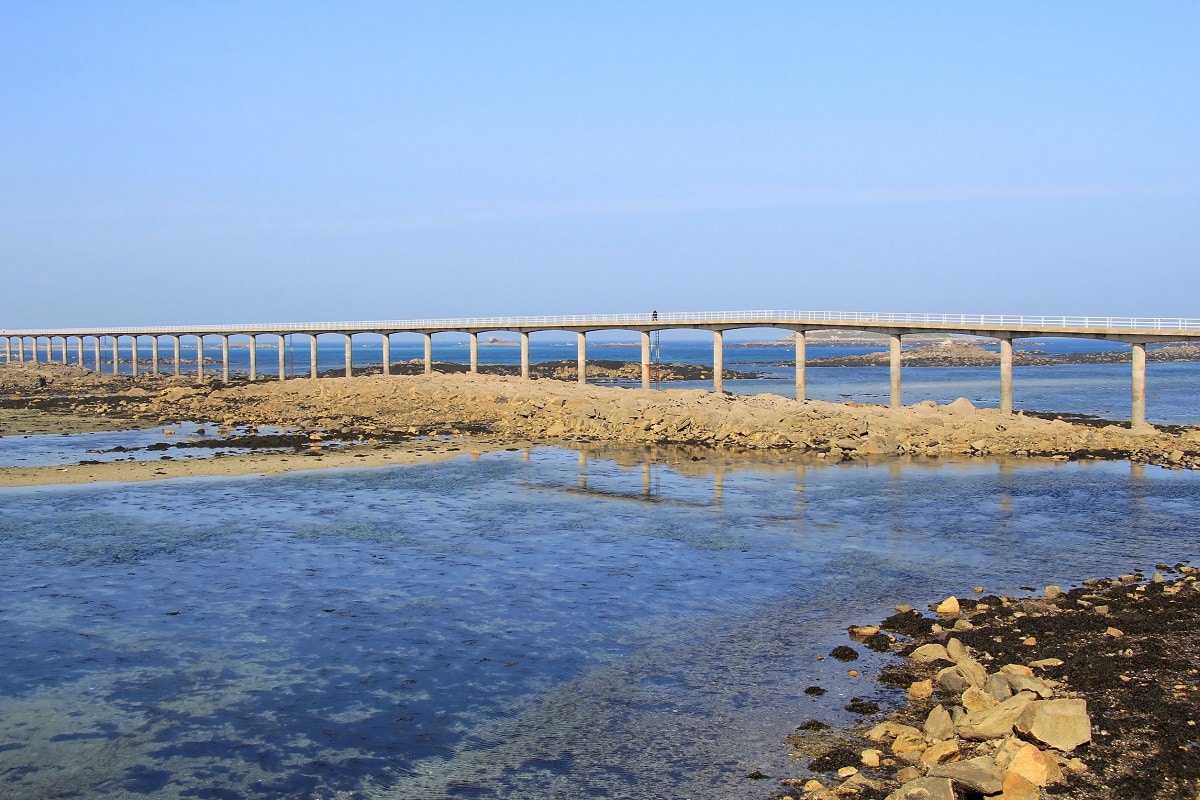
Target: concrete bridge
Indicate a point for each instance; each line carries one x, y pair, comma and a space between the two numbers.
23, 345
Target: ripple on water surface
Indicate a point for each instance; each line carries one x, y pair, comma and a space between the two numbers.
524, 624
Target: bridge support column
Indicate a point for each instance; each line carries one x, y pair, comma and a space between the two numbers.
254, 356
349, 357
1006, 376
312, 355
199, 356
133, 356
386, 340
895, 400
282, 356
718, 361
116, 348
525, 355
175, 340
581, 356
801, 366
225, 358
64, 350
96, 352
154, 354
33, 349
473, 346
49, 349
20, 348
1138, 417
429, 354
645, 359
7, 349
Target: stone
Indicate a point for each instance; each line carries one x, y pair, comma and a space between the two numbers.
956, 649
961, 624
1052, 592
1043, 663
908, 773
920, 690
889, 730
939, 724
1115, 633
813, 786
951, 679
1035, 766
1023, 683
909, 742
996, 722
1017, 787
1063, 724
928, 653
949, 606
976, 700
941, 753
1016, 669
997, 686
925, 789
846, 772
978, 774
870, 758
972, 671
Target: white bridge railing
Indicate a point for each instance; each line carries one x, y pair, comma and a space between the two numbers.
1047, 324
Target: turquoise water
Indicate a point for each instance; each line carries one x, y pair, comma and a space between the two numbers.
527, 624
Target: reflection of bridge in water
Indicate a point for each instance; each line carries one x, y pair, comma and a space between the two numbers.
23, 345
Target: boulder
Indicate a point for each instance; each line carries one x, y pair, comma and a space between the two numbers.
1017, 787
1035, 766
998, 687
948, 606
940, 753
926, 788
995, 722
977, 774
1022, 683
1063, 724
928, 653
976, 700
939, 724
920, 690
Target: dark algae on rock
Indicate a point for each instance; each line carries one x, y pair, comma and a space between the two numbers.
1088, 693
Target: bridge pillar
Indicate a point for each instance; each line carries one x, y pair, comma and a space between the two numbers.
282, 355
133, 356
349, 357
225, 358
312, 355
175, 341
154, 354
199, 356
473, 346
33, 349
429, 354
254, 356
645, 359
1138, 417
116, 367
1006, 376
96, 352
581, 356
525, 355
801, 366
894, 400
64, 350
718, 361
20, 348
49, 349
7, 349
386, 340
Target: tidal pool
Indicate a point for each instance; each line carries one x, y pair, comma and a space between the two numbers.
527, 624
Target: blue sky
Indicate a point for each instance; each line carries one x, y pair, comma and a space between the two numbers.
168, 163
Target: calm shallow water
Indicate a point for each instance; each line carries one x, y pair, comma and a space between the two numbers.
525, 624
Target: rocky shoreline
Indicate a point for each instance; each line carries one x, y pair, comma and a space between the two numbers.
380, 408
1088, 693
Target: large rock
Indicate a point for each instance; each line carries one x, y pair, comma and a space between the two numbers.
939, 725
928, 653
1063, 724
977, 774
996, 722
925, 789
1035, 766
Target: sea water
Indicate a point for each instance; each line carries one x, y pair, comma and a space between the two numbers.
529, 623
